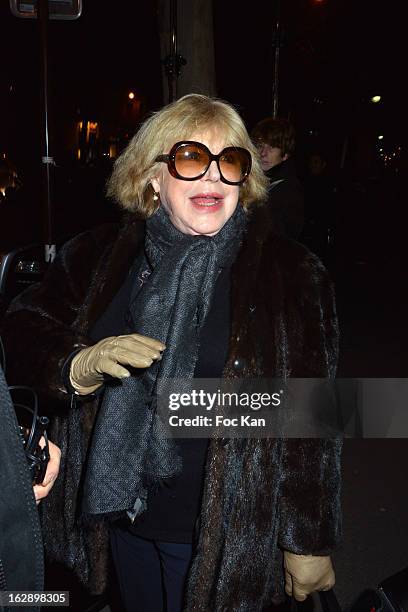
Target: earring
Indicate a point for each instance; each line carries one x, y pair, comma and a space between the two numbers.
155, 196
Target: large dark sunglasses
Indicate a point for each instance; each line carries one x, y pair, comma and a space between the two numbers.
189, 160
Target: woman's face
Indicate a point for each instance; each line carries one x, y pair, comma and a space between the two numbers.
200, 207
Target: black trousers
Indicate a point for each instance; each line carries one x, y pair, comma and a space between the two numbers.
151, 573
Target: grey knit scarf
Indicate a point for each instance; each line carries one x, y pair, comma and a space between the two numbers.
130, 452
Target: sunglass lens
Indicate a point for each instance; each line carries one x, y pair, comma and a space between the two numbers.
191, 161
235, 164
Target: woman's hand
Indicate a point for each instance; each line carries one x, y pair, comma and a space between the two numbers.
108, 357
307, 573
41, 490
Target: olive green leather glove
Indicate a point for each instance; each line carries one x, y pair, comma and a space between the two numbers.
305, 574
109, 356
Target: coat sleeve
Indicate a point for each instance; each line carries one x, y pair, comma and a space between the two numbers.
39, 331
310, 518
310, 513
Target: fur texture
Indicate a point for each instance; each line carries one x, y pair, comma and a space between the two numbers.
260, 496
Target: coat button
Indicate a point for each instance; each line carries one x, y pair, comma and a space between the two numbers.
239, 364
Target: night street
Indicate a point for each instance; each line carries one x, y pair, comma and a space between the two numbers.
300, 108
375, 510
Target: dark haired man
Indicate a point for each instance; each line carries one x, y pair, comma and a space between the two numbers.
275, 139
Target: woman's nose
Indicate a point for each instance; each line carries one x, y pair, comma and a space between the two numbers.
212, 174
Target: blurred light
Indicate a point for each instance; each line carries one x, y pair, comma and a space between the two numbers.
91, 128
78, 153
381, 149
380, 137
376, 99
131, 95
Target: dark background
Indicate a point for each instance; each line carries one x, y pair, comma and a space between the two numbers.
335, 56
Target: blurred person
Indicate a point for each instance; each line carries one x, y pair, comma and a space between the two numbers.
320, 199
183, 288
275, 140
20, 222
21, 551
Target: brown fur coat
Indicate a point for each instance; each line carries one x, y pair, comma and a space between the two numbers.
260, 496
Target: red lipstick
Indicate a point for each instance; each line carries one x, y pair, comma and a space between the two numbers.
207, 202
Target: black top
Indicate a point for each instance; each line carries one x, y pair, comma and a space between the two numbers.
172, 511
285, 200
21, 551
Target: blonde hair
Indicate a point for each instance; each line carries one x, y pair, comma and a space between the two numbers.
130, 183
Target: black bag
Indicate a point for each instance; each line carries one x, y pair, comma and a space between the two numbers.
321, 601
390, 596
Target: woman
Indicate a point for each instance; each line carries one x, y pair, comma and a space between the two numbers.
195, 291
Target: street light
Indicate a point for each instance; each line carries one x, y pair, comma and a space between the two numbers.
376, 99
131, 95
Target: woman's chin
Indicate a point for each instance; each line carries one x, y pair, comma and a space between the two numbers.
200, 225
209, 228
